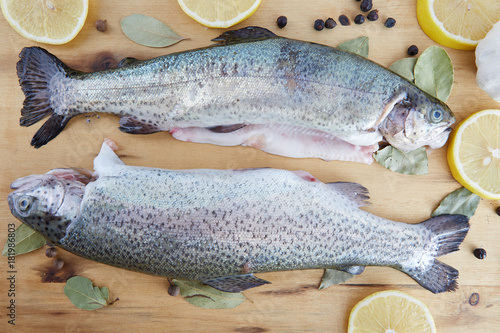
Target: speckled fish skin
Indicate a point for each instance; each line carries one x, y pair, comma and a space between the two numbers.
250, 81
207, 224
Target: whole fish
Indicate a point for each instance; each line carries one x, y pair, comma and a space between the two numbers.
283, 96
221, 226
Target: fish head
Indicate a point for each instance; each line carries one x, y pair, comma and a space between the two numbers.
418, 120
48, 203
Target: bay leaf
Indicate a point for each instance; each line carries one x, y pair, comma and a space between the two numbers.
411, 163
434, 72
84, 295
26, 240
148, 31
333, 277
404, 67
357, 45
206, 297
461, 201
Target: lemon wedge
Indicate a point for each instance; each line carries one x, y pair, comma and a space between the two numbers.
459, 24
391, 311
474, 153
46, 21
219, 13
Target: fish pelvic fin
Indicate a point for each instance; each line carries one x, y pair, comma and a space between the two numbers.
35, 70
235, 283
243, 35
357, 193
447, 233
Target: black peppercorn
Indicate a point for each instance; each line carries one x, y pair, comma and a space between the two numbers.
58, 264
319, 24
390, 22
373, 15
51, 252
330, 23
360, 19
412, 50
498, 210
173, 290
281, 21
366, 5
344, 20
101, 25
480, 253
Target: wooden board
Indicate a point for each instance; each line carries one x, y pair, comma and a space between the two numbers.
292, 302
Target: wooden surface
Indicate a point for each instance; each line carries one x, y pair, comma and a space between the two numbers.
292, 302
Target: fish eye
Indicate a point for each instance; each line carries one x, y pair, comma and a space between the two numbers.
436, 116
25, 203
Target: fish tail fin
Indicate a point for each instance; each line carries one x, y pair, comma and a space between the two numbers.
447, 233
35, 70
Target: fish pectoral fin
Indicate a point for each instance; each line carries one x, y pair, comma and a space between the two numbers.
357, 193
235, 283
353, 270
225, 128
132, 125
248, 34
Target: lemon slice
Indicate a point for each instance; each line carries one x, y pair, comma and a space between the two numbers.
459, 24
46, 21
219, 13
391, 311
474, 153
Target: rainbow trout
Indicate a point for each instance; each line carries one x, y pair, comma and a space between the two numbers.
222, 226
283, 96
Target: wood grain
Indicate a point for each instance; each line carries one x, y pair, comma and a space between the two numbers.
292, 302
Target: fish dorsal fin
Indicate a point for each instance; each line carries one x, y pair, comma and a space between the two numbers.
243, 35
235, 283
355, 192
128, 61
107, 160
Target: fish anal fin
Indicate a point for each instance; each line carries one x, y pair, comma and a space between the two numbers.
355, 192
133, 125
235, 283
248, 34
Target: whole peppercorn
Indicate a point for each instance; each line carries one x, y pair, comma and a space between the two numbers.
360, 19
366, 5
480, 253
330, 23
58, 264
281, 21
344, 20
390, 22
101, 25
412, 50
498, 210
319, 25
173, 290
51, 252
373, 15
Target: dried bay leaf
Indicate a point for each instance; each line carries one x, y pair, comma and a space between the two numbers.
410, 163
26, 240
84, 295
148, 31
333, 277
206, 297
405, 68
434, 73
357, 45
461, 201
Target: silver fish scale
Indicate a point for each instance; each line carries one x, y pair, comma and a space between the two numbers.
203, 224
271, 81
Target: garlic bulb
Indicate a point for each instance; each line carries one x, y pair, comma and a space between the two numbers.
488, 63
